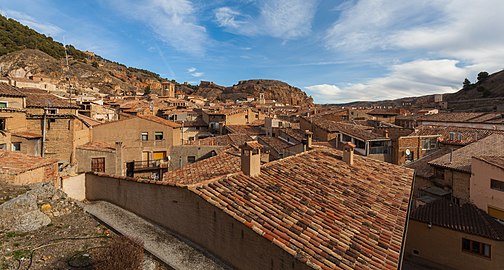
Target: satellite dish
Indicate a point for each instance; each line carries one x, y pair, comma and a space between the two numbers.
169, 158
408, 152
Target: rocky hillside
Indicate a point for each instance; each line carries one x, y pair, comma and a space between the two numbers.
486, 86
272, 89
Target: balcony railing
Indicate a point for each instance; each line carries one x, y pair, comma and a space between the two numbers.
150, 164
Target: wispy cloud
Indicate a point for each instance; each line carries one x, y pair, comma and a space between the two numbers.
174, 21
41, 27
276, 18
416, 78
194, 72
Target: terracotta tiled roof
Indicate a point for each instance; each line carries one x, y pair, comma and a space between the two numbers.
466, 218
296, 134
159, 120
383, 112
90, 122
472, 117
273, 143
469, 135
497, 161
9, 91
361, 132
223, 140
98, 146
492, 145
38, 98
15, 163
204, 170
321, 210
245, 129
251, 145
26, 135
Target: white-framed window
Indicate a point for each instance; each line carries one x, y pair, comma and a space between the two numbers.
4, 104
144, 136
158, 135
16, 146
429, 143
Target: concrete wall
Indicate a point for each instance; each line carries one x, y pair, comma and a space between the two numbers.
75, 186
188, 215
480, 192
444, 246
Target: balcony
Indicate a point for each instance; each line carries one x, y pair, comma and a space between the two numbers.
154, 143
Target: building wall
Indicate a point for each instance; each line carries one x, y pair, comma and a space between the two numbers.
59, 137
84, 160
15, 121
180, 153
28, 146
444, 246
14, 102
188, 215
48, 173
480, 192
459, 183
464, 124
129, 133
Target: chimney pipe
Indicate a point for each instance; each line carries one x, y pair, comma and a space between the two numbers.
251, 158
119, 158
307, 141
348, 153
386, 133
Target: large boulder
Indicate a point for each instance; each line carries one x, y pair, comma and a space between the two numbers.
22, 214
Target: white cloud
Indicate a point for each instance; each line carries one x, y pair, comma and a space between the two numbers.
194, 72
174, 21
416, 78
44, 28
276, 18
466, 35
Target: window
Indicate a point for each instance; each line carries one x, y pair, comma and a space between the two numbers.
2, 124
3, 104
98, 164
16, 146
145, 136
429, 143
3, 146
459, 136
191, 159
158, 135
476, 247
452, 136
497, 185
52, 111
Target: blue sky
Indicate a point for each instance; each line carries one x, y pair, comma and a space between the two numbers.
336, 51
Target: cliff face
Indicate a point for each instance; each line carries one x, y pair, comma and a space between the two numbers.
91, 74
272, 89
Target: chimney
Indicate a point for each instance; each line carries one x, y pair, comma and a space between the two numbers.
251, 158
386, 133
119, 159
348, 153
307, 142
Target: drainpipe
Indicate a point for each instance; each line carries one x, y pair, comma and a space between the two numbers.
44, 123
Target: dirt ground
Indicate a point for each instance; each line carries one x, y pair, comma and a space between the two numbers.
71, 241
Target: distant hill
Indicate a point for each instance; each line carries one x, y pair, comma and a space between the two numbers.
272, 89
25, 52
485, 95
